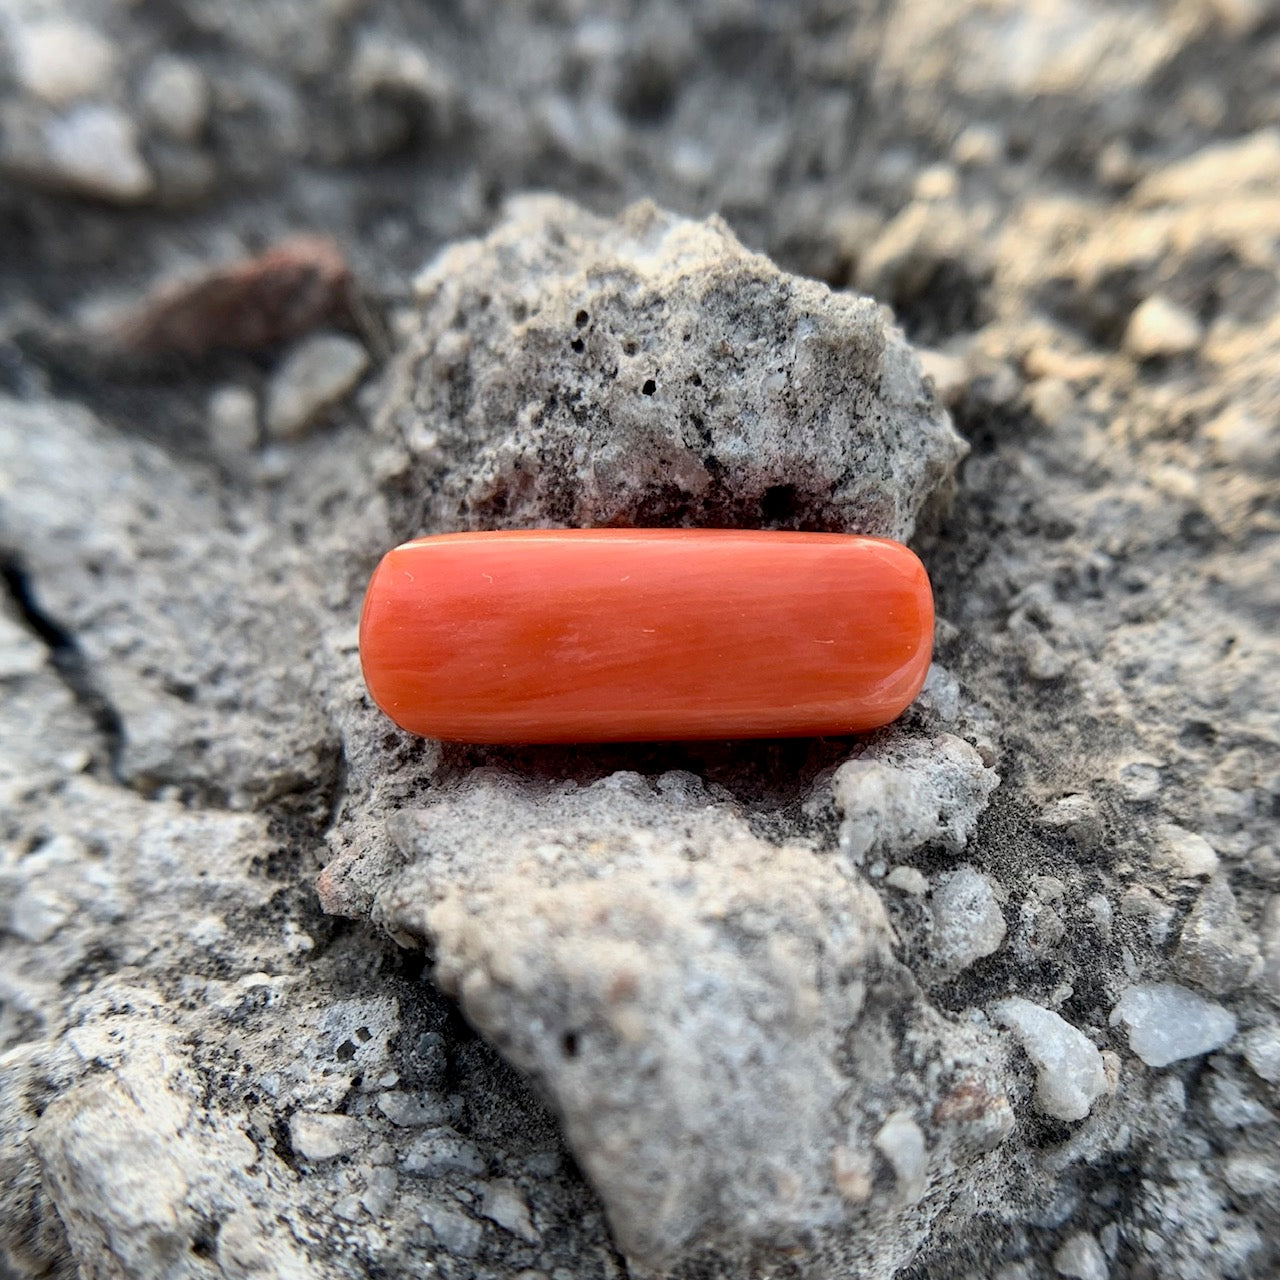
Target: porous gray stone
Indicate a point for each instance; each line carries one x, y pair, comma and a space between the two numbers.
717, 1020
572, 370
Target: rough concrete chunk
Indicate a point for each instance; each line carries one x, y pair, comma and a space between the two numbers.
199, 690
714, 1017
650, 370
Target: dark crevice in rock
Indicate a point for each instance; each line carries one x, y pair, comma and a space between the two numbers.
768, 777
67, 660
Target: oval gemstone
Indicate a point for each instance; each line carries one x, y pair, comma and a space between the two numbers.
615, 635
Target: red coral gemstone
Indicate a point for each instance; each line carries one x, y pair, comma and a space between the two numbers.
615, 635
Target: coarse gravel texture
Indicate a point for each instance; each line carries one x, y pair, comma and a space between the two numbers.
285, 993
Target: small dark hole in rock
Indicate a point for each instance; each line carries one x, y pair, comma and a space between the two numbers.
1198, 733
581, 319
578, 345
569, 1043
647, 91
649, 387
780, 502
204, 1242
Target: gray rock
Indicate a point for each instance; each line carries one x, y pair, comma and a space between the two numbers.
1261, 1048
1184, 852
1270, 942
902, 1144
317, 374
1070, 1074
1168, 1023
441, 1152
1081, 1257
1252, 1175
505, 1205
1216, 949
1159, 327
967, 921
60, 60
454, 1231
624, 944
233, 424
901, 792
175, 96
324, 1136
408, 1109
572, 370
1077, 816
92, 150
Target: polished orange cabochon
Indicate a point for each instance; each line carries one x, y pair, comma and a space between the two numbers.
614, 635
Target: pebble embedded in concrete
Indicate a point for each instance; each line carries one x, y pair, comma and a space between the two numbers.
322, 1136
1183, 852
908, 880
907, 791
1252, 1175
967, 920
503, 1204
1076, 816
412, 1109
1168, 1023
1261, 1049
1070, 1074
902, 1144
58, 60
453, 1229
439, 1152
175, 97
233, 422
1216, 950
